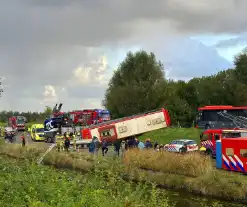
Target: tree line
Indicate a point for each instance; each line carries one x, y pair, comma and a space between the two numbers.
139, 85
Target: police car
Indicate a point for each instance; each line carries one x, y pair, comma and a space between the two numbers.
181, 145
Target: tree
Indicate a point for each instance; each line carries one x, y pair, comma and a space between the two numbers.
136, 86
240, 63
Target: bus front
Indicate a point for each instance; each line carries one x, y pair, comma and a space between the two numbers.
208, 117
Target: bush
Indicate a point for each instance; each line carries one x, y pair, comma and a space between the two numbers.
190, 164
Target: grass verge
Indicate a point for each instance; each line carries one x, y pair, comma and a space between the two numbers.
26, 184
164, 136
192, 172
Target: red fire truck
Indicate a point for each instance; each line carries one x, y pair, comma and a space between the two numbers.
89, 116
128, 126
233, 154
209, 137
17, 122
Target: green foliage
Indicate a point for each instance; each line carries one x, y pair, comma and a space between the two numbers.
136, 86
24, 184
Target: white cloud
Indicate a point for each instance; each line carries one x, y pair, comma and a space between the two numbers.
50, 95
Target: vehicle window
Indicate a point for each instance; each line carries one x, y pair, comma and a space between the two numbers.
108, 133
203, 137
243, 152
40, 130
211, 137
244, 134
229, 151
33, 130
173, 142
191, 142
209, 115
217, 137
180, 142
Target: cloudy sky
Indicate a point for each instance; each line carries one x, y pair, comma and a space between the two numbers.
66, 50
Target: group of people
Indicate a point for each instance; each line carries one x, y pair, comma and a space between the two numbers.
122, 145
63, 141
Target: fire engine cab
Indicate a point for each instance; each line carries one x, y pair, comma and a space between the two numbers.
209, 137
17, 122
128, 126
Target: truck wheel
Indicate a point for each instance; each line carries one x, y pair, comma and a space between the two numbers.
209, 152
207, 126
49, 140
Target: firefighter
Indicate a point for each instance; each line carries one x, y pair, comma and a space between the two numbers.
67, 143
23, 140
58, 142
73, 137
2, 131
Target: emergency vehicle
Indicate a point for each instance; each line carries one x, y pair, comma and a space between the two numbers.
17, 122
89, 116
181, 145
128, 126
209, 137
231, 154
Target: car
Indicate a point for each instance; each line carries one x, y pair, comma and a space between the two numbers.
37, 132
181, 145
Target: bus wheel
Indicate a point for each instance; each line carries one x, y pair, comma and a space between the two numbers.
207, 126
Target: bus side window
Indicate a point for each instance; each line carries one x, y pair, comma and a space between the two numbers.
243, 152
217, 137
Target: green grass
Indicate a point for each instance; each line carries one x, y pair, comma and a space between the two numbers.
164, 136
26, 184
191, 172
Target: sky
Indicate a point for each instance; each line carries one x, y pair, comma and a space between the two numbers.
66, 50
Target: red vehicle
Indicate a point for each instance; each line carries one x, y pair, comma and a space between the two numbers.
17, 122
209, 137
210, 117
234, 154
128, 126
89, 116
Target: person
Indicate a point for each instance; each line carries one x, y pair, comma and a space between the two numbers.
117, 145
23, 140
66, 143
104, 147
72, 136
141, 145
136, 142
58, 142
123, 147
148, 144
91, 147
155, 144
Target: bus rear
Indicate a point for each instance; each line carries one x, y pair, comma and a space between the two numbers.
209, 118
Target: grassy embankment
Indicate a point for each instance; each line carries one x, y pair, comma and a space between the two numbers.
191, 172
164, 136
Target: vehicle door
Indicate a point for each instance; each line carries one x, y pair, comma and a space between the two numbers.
172, 146
192, 146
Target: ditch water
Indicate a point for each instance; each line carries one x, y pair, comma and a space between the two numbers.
182, 199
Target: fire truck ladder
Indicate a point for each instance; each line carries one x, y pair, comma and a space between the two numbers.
239, 121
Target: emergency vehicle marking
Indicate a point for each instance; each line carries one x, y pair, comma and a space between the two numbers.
233, 163
172, 148
239, 162
226, 162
